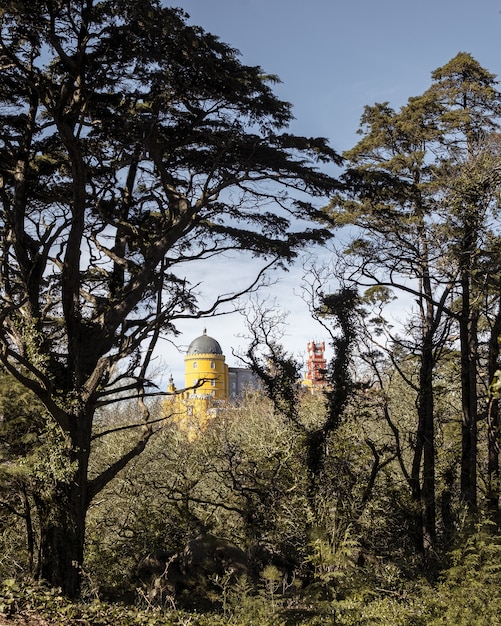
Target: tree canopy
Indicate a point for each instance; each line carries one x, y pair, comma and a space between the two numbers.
131, 144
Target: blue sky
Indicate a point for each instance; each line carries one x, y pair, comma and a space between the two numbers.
334, 57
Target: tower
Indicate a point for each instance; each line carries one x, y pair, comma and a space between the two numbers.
316, 365
205, 370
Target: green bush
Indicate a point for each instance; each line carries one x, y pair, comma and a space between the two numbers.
469, 591
468, 595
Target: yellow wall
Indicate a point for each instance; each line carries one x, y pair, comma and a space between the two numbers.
208, 367
193, 409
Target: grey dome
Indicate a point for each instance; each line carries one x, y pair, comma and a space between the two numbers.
204, 345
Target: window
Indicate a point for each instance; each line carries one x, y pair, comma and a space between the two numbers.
213, 382
195, 365
213, 364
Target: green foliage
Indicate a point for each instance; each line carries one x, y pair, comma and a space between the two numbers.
468, 593
25, 600
495, 386
22, 433
241, 479
333, 558
50, 463
22, 421
467, 596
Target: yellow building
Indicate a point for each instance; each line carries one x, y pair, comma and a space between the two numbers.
205, 370
208, 385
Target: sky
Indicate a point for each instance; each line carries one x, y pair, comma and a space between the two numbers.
333, 57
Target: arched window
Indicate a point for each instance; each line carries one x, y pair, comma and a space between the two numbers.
213, 364
195, 365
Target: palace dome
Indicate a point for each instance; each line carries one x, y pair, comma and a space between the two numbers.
204, 345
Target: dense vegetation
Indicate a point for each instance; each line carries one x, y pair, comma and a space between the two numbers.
374, 500
354, 558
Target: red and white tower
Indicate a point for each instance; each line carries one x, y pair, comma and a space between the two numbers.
316, 364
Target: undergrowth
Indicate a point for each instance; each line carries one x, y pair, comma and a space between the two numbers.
467, 594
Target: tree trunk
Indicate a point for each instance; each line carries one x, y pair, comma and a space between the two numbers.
493, 427
426, 410
493, 473
62, 512
62, 521
30, 536
415, 484
425, 441
468, 342
63, 503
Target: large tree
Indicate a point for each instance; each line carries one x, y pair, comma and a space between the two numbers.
468, 117
422, 186
131, 144
390, 197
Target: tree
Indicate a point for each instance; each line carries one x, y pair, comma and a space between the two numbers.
493, 418
337, 313
421, 186
469, 108
391, 198
132, 144
279, 374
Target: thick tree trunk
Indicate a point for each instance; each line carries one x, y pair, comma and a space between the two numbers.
423, 468
493, 471
62, 512
62, 522
63, 509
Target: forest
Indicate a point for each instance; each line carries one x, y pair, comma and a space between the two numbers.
132, 146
